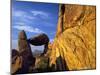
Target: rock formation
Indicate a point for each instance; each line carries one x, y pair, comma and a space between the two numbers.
23, 60
14, 53
25, 52
73, 48
42, 64
16, 63
75, 43
60, 20
40, 39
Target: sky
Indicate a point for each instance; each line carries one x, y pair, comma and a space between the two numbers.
34, 18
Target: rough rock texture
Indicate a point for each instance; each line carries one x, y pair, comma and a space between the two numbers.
23, 43
25, 52
16, 61
74, 46
23, 60
42, 64
14, 53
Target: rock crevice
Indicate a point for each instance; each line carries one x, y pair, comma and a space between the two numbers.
76, 41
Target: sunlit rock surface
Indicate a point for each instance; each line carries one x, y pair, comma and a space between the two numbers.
75, 41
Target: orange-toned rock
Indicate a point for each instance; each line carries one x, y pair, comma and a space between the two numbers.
75, 41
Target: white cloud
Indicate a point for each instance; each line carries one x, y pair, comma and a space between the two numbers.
22, 14
19, 13
30, 17
28, 28
19, 23
40, 13
35, 13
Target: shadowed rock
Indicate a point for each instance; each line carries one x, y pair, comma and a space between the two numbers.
41, 39
16, 63
23, 44
61, 64
14, 52
25, 52
60, 20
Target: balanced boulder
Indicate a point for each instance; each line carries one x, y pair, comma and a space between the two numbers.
40, 39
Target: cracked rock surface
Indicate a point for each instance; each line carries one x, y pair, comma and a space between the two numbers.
75, 40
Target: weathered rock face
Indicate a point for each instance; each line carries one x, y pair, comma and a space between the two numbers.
23, 43
16, 63
74, 46
24, 47
25, 52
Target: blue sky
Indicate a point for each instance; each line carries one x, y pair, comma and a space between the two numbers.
34, 18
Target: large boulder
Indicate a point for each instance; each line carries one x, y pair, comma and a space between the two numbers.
40, 39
